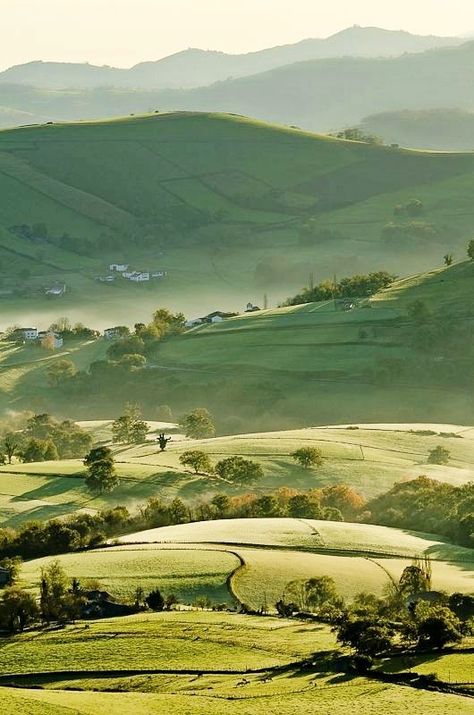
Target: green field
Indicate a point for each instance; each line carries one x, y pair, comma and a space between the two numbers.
234, 560
370, 459
195, 662
208, 197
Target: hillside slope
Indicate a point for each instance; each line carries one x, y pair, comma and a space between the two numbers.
218, 202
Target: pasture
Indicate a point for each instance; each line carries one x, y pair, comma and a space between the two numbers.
195, 662
233, 192
370, 459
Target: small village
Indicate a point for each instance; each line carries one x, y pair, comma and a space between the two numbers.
124, 270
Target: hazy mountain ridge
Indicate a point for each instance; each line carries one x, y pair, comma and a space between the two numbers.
195, 67
319, 95
442, 129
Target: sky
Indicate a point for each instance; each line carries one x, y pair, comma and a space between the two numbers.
124, 32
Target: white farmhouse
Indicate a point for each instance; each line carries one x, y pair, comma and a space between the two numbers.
28, 333
118, 267
48, 337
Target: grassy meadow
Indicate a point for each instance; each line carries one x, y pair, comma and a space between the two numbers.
232, 561
200, 663
370, 459
210, 198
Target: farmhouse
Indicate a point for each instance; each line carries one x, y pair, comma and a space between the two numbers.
251, 308
50, 339
27, 333
139, 276
119, 267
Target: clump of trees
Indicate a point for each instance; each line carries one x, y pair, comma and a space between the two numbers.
439, 455
358, 286
441, 508
413, 207
239, 470
130, 428
197, 460
355, 134
43, 437
408, 614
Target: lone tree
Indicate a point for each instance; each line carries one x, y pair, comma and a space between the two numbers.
239, 470
198, 424
448, 259
470, 249
308, 457
101, 475
197, 460
439, 455
129, 428
163, 441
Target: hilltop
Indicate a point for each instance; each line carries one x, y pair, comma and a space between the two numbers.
223, 204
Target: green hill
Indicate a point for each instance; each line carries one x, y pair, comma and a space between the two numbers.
370, 459
219, 202
204, 663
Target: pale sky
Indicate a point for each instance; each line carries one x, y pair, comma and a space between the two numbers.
124, 32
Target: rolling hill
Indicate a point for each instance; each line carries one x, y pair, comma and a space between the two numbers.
205, 663
217, 201
233, 561
371, 459
196, 68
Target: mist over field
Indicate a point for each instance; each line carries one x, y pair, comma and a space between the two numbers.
236, 350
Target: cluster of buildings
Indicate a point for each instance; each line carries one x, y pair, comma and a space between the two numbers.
218, 316
47, 338
123, 270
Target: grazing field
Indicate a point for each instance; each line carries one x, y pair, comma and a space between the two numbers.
225, 195
199, 663
360, 697
451, 667
167, 641
370, 459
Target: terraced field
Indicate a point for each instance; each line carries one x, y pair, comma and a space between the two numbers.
370, 459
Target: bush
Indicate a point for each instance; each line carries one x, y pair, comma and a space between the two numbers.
439, 455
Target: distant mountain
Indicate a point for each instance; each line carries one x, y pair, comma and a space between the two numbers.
196, 68
442, 129
319, 95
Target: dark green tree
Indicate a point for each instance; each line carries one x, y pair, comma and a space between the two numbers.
155, 600
101, 475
